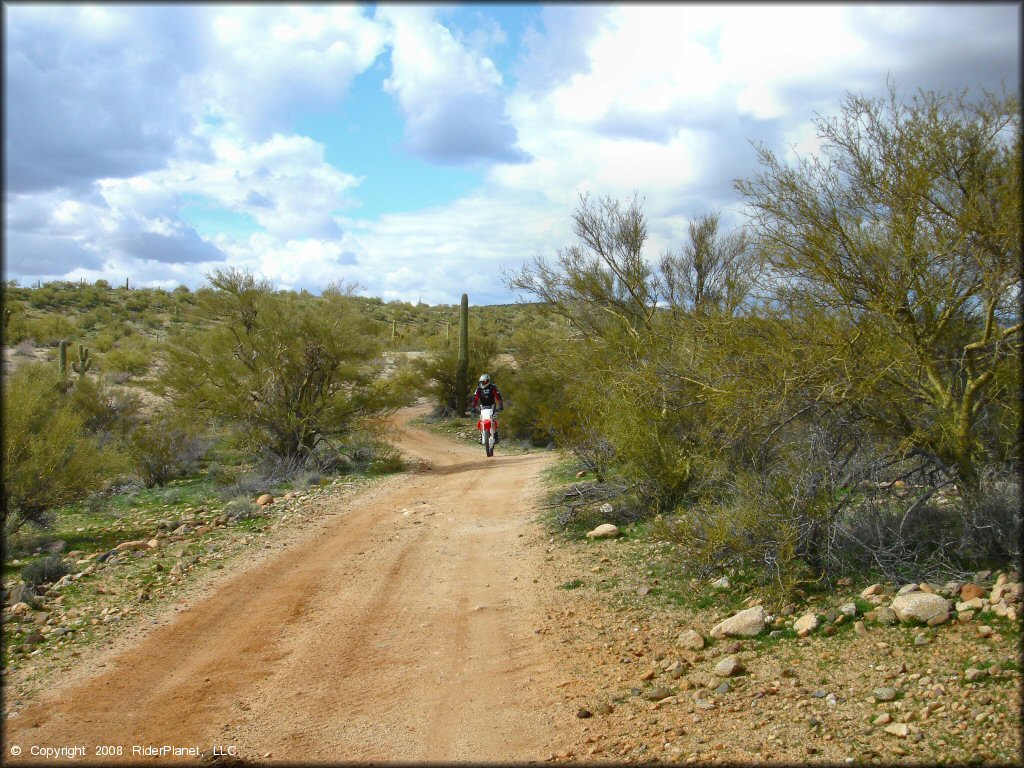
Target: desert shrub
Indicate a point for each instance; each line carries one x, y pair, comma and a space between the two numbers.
130, 360
242, 508
105, 411
166, 448
45, 570
247, 485
50, 329
49, 457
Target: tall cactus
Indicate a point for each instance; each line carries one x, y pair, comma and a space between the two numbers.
84, 362
462, 372
63, 346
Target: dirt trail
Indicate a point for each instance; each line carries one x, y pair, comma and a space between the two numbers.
402, 630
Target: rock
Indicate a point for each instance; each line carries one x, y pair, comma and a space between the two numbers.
848, 609
918, 606
974, 674
34, 638
203, 529
176, 569
723, 689
584, 713
805, 624
648, 675
657, 694
748, 623
860, 628
604, 531
729, 667
985, 631
974, 604
883, 719
691, 639
181, 530
20, 609
898, 729
581, 473
885, 694
606, 509
21, 593
924, 586
722, 583
882, 615
965, 617
56, 547
153, 543
921, 639
907, 589
939, 618
874, 589
264, 500
124, 546
952, 588
970, 591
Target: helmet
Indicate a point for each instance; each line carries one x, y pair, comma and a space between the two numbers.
485, 380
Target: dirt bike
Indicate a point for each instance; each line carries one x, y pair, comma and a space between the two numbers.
488, 425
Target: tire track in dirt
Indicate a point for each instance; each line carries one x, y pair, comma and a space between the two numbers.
400, 630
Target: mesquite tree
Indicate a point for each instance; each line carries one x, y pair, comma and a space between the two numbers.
907, 224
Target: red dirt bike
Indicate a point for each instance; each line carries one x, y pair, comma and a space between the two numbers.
487, 423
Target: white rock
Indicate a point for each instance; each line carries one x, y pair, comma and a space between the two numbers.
919, 606
729, 666
848, 609
748, 623
722, 583
604, 531
906, 589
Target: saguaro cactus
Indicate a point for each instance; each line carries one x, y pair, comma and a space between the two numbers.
462, 372
84, 362
63, 346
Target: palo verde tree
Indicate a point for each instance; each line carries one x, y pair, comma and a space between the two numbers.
906, 224
295, 374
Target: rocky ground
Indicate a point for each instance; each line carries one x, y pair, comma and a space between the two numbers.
845, 679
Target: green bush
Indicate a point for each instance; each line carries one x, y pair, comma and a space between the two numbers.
165, 449
49, 457
124, 359
242, 508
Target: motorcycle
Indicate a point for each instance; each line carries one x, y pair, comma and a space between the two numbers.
487, 423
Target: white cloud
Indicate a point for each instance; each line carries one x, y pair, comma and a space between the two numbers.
448, 93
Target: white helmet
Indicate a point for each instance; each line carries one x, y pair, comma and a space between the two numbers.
485, 380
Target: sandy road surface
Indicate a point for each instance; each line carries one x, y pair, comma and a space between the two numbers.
401, 630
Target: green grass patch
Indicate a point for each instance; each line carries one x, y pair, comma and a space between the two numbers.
573, 584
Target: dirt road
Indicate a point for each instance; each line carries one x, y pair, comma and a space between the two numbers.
401, 629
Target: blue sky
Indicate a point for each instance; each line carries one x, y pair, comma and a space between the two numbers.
420, 150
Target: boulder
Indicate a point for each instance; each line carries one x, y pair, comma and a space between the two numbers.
604, 531
919, 606
264, 500
139, 546
748, 623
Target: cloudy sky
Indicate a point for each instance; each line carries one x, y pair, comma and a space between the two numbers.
418, 150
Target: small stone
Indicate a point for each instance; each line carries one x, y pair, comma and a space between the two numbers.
874, 589
691, 639
970, 591
604, 531
883, 719
730, 667
748, 623
657, 694
907, 589
805, 624
722, 583
921, 639
902, 730
974, 674
584, 713
860, 628
885, 694
965, 617
985, 631
264, 500
723, 689
939, 618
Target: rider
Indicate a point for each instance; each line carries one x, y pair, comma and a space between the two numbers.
488, 396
